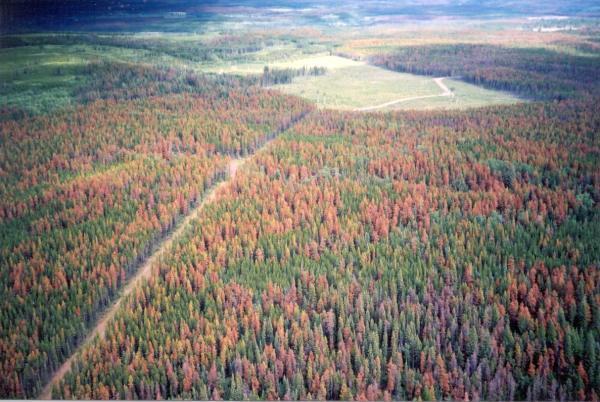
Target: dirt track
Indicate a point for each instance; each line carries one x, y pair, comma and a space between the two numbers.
438, 81
143, 272
145, 269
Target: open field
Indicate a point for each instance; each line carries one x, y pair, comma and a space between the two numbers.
351, 85
464, 96
359, 86
285, 60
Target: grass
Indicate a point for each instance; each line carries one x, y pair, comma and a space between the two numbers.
350, 85
279, 57
359, 86
465, 96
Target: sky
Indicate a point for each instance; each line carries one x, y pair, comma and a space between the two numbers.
56, 14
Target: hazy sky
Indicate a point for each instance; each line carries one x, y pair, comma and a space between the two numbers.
56, 13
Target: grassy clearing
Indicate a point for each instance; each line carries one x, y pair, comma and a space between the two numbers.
358, 86
279, 58
465, 96
350, 85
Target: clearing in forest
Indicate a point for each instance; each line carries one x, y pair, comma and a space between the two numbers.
355, 85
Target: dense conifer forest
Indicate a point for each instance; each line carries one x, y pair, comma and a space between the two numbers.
432, 253
348, 264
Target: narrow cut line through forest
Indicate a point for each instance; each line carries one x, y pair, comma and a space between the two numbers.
145, 268
439, 82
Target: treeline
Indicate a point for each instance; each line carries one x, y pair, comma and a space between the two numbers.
85, 194
536, 73
124, 81
275, 76
218, 49
401, 256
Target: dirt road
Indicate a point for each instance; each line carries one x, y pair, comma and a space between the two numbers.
145, 270
143, 273
438, 81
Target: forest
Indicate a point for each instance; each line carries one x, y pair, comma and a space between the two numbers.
535, 73
87, 193
375, 273
420, 254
